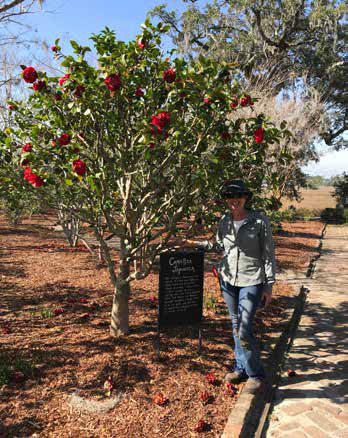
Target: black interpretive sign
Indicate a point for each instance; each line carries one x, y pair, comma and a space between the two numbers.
180, 288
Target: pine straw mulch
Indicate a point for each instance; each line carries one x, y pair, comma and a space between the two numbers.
48, 356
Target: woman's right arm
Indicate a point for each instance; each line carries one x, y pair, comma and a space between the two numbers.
207, 245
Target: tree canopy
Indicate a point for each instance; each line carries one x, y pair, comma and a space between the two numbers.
269, 37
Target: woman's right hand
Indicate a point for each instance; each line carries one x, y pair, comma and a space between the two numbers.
189, 243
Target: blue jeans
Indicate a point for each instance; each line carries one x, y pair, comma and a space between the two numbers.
242, 303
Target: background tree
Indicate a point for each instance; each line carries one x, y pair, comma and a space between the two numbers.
134, 143
304, 38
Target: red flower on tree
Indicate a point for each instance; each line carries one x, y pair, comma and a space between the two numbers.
64, 139
58, 96
234, 103
159, 122
246, 101
79, 167
139, 92
29, 75
39, 86
54, 49
63, 79
79, 90
27, 147
113, 82
142, 43
259, 135
33, 179
207, 101
169, 75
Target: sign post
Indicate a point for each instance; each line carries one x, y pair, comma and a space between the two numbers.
180, 291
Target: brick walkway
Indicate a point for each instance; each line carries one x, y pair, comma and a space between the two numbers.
314, 403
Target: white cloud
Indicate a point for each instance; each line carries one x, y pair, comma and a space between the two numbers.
330, 164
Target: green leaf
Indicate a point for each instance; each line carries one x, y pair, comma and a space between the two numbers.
74, 45
68, 182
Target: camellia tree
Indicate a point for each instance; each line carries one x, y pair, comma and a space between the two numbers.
135, 144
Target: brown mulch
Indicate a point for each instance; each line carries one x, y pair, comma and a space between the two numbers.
54, 315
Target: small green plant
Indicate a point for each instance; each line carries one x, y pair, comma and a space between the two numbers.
46, 313
209, 302
15, 369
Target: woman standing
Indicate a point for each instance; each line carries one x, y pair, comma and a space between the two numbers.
246, 276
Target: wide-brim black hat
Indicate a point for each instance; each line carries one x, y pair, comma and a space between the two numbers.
234, 186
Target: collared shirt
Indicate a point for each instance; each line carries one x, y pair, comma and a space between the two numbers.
248, 254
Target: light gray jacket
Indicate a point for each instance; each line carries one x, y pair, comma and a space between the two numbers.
248, 257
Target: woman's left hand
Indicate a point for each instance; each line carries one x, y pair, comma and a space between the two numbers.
266, 296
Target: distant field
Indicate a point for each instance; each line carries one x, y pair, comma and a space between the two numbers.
313, 199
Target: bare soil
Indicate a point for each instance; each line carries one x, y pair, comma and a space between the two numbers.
313, 199
54, 340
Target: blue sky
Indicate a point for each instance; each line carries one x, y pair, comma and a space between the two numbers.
78, 19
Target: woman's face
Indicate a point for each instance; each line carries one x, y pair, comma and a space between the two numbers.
236, 204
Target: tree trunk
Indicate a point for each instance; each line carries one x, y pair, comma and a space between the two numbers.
120, 310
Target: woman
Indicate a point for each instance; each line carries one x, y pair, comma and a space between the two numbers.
246, 276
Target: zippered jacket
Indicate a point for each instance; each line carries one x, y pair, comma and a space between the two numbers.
248, 255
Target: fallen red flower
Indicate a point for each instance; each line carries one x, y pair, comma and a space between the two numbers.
201, 426
83, 300
6, 330
231, 389
206, 398
212, 379
160, 399
58, 311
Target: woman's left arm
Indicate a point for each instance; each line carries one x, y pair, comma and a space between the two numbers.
268, 259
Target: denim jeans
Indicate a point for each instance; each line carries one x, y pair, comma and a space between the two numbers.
242, 303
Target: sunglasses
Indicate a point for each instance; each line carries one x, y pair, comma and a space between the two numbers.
234, 195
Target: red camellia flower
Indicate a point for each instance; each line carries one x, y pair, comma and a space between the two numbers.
160, 399
6, 330
201, 426
113, 82
259, 135
139, 92
246, 101
83, 300
212, 379
58, 96
231, 389
79, 90
142, 43
207, 101
39, 86
234, 103
12, 107
79, 167
64, 79
108, 385
58, 311
205, 397
33, 179
29, 75
169, 75
54, 49
27, 147
64, 139
162, 120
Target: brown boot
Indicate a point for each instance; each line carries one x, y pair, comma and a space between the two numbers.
252, 386
235, 377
